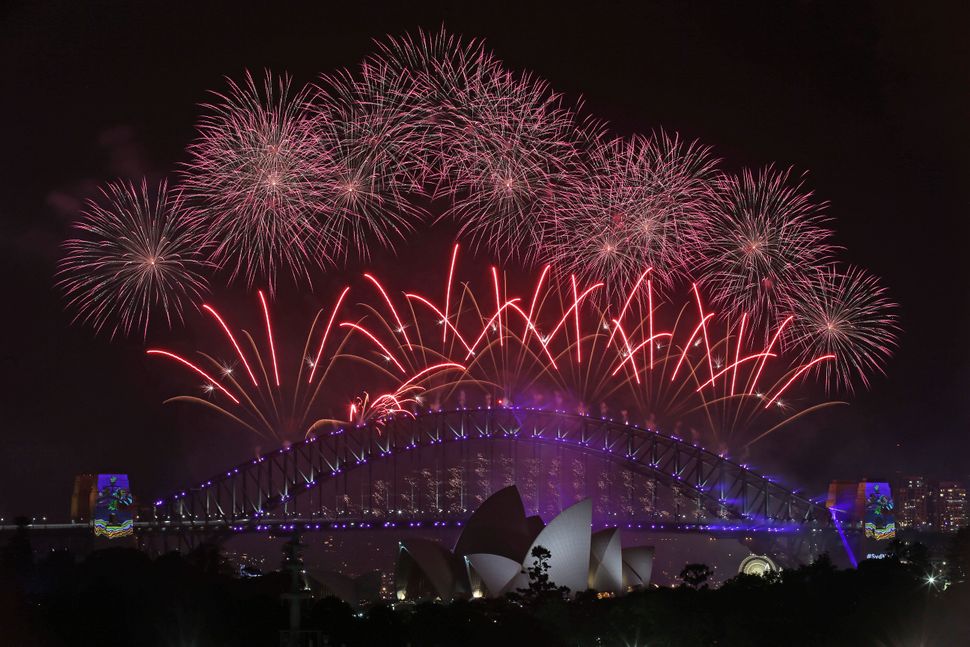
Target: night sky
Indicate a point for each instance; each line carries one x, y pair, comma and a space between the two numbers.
872, 100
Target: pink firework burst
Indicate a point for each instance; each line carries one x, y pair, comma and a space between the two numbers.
848, 314
760, 236
637, 209
257, 171
369, 127
441, 62
513, 148
139, 253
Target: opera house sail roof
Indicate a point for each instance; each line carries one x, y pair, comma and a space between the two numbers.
493, 552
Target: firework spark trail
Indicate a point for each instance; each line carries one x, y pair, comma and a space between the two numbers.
577, 299
512, 151
629, 299
232, 339
442, 68
208, 378
629, 350
690, 340
363, 409
698, 383
444, 320
532, 304
388, 355
733, 367
451, 275
798, 373
390, 304
498, 306
579, 336
631, 353
490, 324
326, 333
269, 336
263, 408
650, 317
707, 343
139, 253
737, 353
771, 345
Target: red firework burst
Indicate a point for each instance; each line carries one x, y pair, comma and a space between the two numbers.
274, 407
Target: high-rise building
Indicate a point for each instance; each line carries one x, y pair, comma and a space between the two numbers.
912, 503
950, 506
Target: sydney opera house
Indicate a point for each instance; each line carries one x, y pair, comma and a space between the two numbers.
494, 549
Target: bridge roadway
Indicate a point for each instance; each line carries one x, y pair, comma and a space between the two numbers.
287, 526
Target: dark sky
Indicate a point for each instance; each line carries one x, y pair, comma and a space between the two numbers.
871, 99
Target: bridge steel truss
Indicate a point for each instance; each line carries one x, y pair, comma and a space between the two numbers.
268, 487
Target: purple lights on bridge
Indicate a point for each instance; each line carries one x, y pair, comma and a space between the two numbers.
689, 488
670, 527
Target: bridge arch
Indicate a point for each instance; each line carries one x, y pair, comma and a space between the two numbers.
272, 486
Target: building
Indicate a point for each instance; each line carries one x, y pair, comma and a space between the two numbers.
494, 550
866, 505
950, 506
912, 503
83, 498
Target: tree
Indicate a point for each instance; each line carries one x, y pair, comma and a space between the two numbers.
915, 555
540, 586
207, 558
696, 575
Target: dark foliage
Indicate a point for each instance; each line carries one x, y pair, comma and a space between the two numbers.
696, 575
541, 588
121, 597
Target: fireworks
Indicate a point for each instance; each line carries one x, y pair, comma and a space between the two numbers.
431, 128
513, 149
439, 68
846, 314
139, 253
440, 64
557, 347
256, 397
257, 171
369, 130
636, 210
761, 237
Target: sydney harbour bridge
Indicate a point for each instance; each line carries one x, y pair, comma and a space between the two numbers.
431, 470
